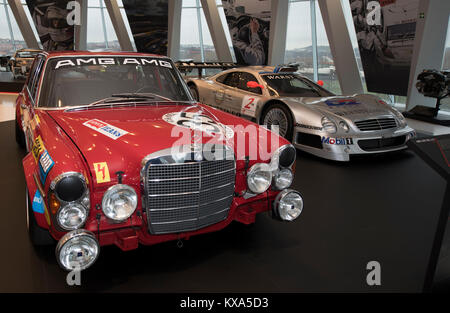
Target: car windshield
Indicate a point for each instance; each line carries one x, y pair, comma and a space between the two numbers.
76, 81
26, 54
291, 85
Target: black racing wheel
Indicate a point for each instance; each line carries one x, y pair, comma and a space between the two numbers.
278, 114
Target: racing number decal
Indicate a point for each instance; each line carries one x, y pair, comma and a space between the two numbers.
249, 105
102, 172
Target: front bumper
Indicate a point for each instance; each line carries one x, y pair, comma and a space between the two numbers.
135, 230
339, 147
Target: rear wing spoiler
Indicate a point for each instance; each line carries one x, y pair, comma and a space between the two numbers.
188, 66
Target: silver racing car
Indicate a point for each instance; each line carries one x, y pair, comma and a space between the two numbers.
314, 119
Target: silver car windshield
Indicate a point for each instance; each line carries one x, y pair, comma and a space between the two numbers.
291, 85
78, 81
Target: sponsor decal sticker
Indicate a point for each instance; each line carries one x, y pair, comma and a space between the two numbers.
39, 206
198, 121
105, 129
38, 203
45, 165
280, 76
102, 172
249, 104
337, 141
38, 148
340, 102
112, 61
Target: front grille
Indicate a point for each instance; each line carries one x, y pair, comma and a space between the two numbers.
380, 144
376, 124
188, 196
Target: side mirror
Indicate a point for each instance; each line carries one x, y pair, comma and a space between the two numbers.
253, 84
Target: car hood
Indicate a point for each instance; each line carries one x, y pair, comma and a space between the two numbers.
123, 136
351, 108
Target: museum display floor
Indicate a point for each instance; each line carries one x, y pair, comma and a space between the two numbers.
379, 208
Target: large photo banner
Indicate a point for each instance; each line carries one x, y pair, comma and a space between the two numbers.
386, 31
50, 19
249, 24
149, 24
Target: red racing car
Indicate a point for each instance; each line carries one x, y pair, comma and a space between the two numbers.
120, 153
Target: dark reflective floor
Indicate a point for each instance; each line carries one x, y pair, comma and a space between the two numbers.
381, 208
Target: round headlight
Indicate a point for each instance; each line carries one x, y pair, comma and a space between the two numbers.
69, 186
119, 202
286, 155
328, 125
259, 177
77, 249
72, 216
283, 179
344, 126
288, 205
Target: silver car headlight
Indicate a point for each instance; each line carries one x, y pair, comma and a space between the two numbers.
288, 205
119, 202
344, 126
400, 118
72, 216
328, 125
259, 178
283, 179
284, 156
77, 249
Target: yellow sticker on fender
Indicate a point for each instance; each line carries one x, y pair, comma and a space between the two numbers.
38, 148
101, 172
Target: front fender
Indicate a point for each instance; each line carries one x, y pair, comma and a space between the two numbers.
36, 196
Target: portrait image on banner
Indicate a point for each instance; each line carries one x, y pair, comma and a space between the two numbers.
249, 24
385, 30
149, 24
50, 19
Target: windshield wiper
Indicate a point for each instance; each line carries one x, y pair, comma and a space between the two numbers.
128, 97
134, 95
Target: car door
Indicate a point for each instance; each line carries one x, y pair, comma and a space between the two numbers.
217, 95
242, 99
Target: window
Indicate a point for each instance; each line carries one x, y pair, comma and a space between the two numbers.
326, 70
232, 79
100, 31
299, 37
10, 36
307, 44
195, 39
221, 78
244, 78
445, 103
85, 82
446, 62
291, 85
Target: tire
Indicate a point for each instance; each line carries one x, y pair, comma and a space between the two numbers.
194, 92
38, 235
20, 136
279, 114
